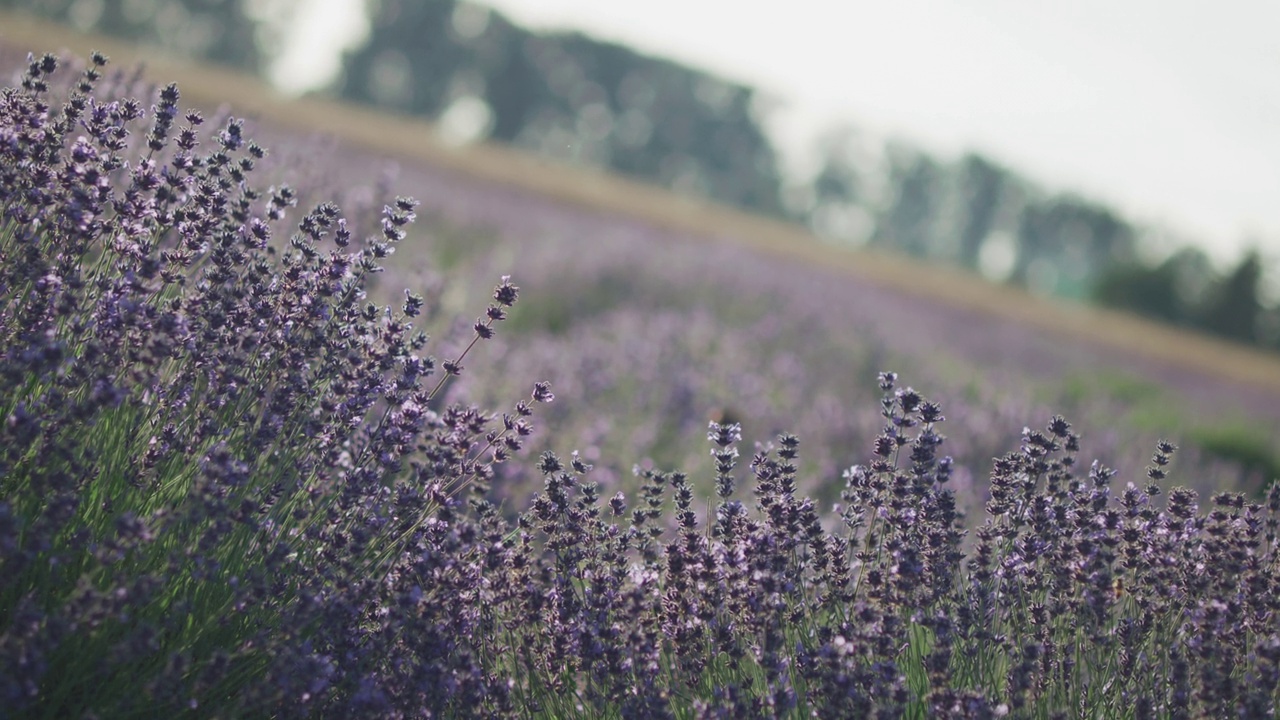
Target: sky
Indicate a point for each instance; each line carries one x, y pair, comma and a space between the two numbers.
1168, 110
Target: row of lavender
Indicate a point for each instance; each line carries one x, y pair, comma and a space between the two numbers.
231, 485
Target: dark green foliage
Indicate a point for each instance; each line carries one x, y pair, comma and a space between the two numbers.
911, 222
1184, 290
1232, 307
1152, 292
1073, 238
571, 96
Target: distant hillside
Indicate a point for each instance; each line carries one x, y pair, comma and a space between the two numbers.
576, 99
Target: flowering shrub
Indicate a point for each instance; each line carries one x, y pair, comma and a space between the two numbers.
232, 486
215, 454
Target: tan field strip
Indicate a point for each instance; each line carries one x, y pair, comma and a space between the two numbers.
415, 140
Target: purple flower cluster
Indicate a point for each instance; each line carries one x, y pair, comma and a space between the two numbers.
231, 485
217, 456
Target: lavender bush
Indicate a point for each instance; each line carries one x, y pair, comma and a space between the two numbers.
215, 452
232, 486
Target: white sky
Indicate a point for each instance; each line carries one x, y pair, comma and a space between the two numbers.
1167, 109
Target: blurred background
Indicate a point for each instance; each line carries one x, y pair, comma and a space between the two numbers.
1089, 155
1125, 154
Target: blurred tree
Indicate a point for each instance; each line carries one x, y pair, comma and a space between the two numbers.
983, 186
570, 96
1144, 290
908, 221
834, 201
410, 57
217, 30
838, 179
1065, 241
1172, 291
1232, 308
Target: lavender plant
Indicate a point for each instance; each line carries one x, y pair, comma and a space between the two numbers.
232, 486
216, 452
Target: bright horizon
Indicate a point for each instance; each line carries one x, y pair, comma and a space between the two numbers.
1167, 110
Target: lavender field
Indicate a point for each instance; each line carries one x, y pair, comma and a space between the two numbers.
308, 431
648, 334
